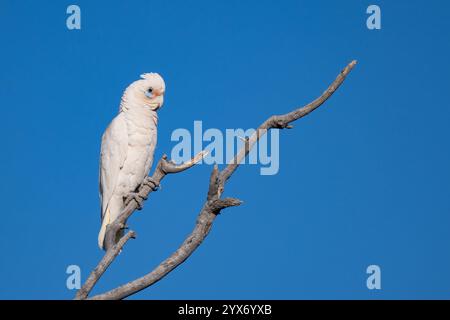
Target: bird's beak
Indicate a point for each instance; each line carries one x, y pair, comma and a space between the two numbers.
158, 92
157, 100
159, 97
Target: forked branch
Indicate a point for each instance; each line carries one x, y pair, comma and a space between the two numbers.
214, 203
163, 168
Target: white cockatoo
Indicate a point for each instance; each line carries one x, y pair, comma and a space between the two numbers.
128, 146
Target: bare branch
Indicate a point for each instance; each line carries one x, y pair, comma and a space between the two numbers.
214, 204
163, 168
283, 121
203, 226
214, 182
109, 257
171, 167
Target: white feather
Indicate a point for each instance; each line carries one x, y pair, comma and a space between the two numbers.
127, 150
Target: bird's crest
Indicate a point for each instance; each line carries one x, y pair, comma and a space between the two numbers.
149, 76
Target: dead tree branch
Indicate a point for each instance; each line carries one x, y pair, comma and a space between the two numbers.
214, 204
163, 168
100, 269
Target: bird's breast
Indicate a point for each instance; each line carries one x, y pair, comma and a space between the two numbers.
142, 138
141, 126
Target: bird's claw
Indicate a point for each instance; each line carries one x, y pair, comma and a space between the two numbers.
148, 181
136, 197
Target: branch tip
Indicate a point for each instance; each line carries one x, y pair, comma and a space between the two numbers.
219, 204
214, 203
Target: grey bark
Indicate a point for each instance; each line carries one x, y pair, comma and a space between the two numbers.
211, 208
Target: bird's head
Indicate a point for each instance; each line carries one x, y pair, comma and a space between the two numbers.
150, 90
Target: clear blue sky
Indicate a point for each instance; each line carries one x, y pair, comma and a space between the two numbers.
364, 180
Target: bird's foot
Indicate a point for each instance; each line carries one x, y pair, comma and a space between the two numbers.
123, 226
148, 181
136, 197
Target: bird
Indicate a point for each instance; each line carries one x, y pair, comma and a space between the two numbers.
127, 149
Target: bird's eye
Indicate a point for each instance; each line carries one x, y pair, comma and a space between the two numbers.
149, 92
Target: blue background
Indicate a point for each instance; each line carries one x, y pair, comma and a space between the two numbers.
363, 180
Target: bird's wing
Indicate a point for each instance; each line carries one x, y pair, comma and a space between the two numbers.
151, 145
112, 157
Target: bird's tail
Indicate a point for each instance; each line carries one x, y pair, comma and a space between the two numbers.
111, 213
102, 233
